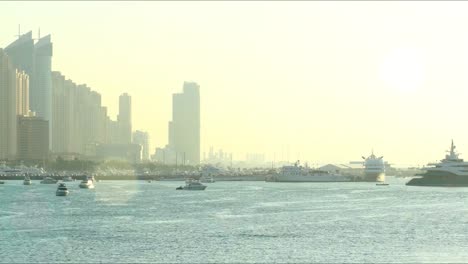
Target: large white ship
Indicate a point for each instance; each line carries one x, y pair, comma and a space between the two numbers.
451, 171
297, 173
374, 168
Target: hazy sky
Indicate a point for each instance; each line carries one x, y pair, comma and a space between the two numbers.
327, 80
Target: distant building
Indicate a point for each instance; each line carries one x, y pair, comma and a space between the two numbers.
335, 168
124, 119
128, 152
8, 125
166, 155
33, 138
184, 129
141, 138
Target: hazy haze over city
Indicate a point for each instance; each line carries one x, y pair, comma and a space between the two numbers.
324, 81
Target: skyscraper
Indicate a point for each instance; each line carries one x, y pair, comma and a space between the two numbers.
41, 92
8, 124
184, 129
124, 119
21, 53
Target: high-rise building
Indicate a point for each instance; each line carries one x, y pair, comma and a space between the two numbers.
21, 53
33, 138
41, 92
60, 115
184, 129
124, 119
35, 60
8, 124
141, 138
22, 93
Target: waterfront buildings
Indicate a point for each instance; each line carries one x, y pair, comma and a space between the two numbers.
8, 109
33, 138
81, 124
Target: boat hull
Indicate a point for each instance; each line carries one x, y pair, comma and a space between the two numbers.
86, 186
309, 178
61, 193
374, 177
441, 181
198, 188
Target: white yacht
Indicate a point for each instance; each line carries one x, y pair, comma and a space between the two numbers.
451, 171
68, 179
62, 190
297, 173
27, 181
48, 180
87, 184
374, 168
207, 179
192, 185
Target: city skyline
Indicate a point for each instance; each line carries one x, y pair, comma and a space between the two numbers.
288, 77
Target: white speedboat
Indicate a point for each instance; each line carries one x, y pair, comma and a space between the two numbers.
87, 184
49, 180
192, 185
27, 181
62, 190
297, 173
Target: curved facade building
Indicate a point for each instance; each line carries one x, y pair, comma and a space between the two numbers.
41, 94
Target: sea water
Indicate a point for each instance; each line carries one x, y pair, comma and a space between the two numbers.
137, 221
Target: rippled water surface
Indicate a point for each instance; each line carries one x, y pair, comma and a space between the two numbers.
136, 221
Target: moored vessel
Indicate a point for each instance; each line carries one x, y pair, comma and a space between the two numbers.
298, 173
451, 171
374, 168
49, 180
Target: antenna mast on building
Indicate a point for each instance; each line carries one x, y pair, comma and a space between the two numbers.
19, 31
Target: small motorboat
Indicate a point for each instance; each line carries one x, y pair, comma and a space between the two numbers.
27, 181
2, 182
382, 184
62, 190
192, 185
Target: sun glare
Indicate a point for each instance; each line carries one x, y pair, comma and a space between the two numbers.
403, 70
